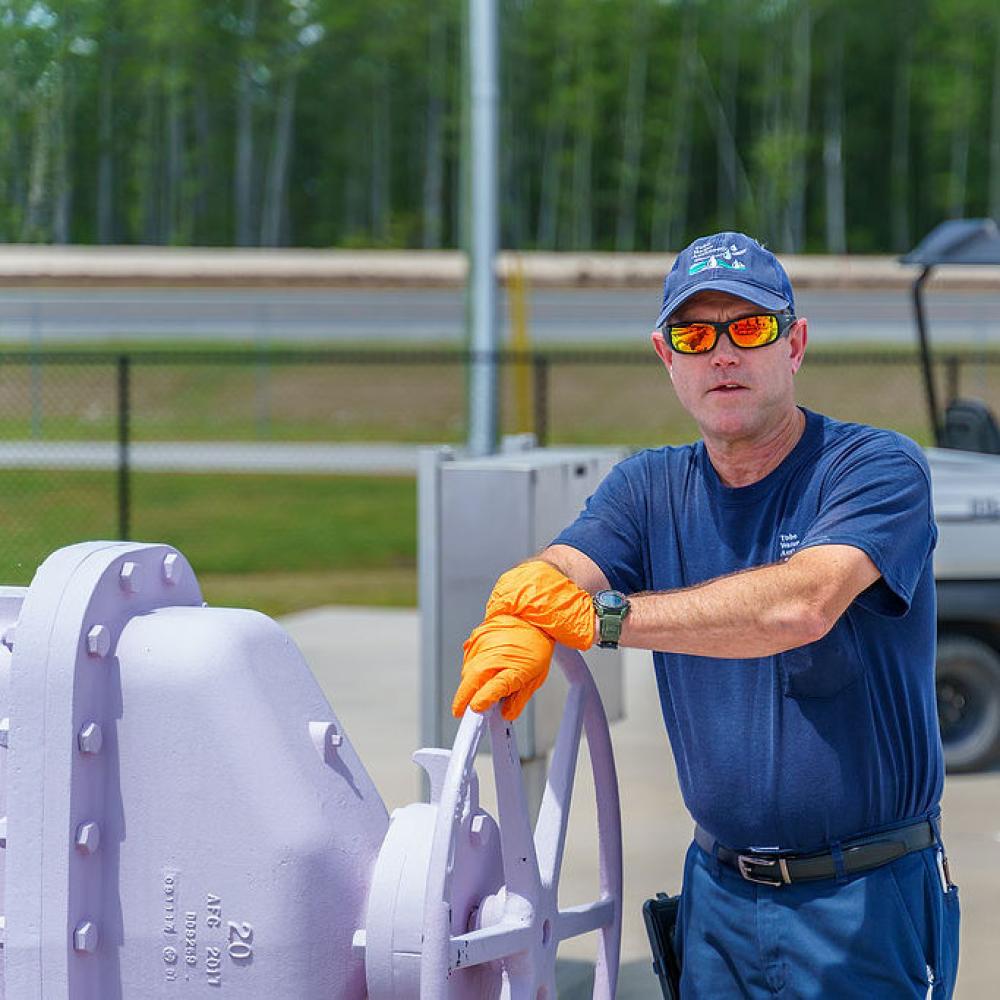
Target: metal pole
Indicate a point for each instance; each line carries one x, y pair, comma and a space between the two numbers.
482, 277
925, 354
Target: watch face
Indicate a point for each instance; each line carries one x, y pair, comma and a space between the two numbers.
611, 600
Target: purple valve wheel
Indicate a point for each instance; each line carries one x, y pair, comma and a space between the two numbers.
516, 930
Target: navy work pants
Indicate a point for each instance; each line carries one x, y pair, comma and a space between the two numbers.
891, 932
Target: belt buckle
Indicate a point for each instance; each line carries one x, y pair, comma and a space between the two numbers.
744, 861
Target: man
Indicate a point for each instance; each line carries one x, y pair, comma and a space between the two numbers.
780, 568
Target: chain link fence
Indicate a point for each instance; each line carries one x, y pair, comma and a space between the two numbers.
291, 462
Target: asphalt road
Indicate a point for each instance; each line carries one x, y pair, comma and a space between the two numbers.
589, 317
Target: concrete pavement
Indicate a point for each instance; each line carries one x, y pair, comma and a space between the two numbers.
367, 663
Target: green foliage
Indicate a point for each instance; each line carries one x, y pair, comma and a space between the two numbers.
633, 122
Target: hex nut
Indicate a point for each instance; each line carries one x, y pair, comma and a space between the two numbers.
99, 641
130, 577
86, 937
88, 837
90, 739
479, 832
171, 568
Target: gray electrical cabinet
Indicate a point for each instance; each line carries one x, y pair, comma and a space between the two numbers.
478, 517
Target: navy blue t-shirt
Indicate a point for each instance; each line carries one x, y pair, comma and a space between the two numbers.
823, 742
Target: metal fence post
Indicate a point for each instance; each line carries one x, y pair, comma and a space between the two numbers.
952, 365
123, 446
540, 368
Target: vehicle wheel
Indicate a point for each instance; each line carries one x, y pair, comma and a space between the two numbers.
968, 700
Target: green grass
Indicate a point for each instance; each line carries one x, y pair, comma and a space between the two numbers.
276, 543
615, 401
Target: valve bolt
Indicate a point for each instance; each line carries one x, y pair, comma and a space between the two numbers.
88, 837
90, 738
479, 832
86, 937
171, 568
130, 577
98, 641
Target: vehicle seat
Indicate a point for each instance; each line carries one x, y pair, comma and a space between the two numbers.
969, 425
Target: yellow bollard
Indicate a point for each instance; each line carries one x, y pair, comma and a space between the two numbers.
517, 292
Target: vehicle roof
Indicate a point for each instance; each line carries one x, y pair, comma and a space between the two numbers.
958, 241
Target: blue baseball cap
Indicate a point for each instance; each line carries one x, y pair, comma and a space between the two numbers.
727, 262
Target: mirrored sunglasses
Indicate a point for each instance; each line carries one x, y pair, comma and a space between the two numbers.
746, 332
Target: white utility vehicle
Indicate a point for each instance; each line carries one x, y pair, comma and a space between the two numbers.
965, 473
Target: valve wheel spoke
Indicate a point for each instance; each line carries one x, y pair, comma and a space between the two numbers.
553, 816
576, 920
517, 842
488, 945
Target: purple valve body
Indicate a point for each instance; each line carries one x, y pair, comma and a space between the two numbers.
183, 816
202, 844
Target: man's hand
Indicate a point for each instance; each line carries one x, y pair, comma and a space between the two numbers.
538, 593
505, 657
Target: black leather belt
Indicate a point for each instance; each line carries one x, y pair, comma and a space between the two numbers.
859, 855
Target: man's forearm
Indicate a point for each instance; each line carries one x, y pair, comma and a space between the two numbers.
755, 613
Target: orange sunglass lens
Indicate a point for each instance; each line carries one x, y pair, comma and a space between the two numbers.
693, 339
754, 331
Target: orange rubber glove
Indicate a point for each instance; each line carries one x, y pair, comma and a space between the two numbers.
507, 658
538, 593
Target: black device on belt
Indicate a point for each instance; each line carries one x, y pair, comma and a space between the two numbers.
858, 855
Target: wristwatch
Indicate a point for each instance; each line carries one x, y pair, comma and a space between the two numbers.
611, 607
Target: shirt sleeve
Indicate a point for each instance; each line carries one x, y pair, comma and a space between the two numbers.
608, 531
878, 499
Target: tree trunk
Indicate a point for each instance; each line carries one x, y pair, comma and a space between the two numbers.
668, 225
767, 171
959, 168
151, 171
994, 193
833, 141
635, 104
583, 149
795, 199
741, 202
243, 168
275, 198
202, 230
727, 155
899, 180
174, 187
433, 187
381, 172
34, 229
106, 144
555, 131
62, 176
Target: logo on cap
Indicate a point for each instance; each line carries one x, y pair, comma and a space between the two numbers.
716, 256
